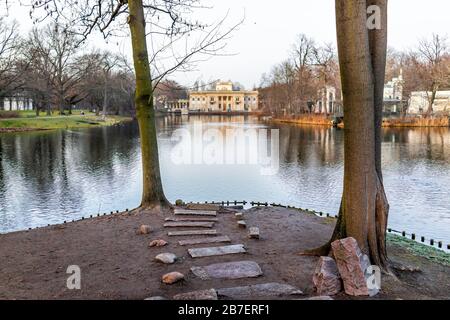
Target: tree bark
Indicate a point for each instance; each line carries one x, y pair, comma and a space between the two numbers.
362, 58
153, 194
105, 96
431, 100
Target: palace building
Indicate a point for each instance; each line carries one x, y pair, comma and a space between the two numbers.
225, 98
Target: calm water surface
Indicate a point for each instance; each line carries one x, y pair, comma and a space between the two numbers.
46, 178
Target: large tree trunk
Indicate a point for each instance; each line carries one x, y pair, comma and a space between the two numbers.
153, 195
362, 58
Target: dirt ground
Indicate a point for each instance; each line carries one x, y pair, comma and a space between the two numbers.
118, 264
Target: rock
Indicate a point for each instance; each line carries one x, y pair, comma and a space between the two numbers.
144, 229
326, 279
253, 233
158, 243
352, 265
166, 258
179, 202
210, 294
263, 290
239, 215
320, 298
157, 298
172, 277
229, 270
242, 224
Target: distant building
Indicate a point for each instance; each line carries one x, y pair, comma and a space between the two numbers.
419, 101
225, 98
327, 103
16, 102
393, 96
178, 106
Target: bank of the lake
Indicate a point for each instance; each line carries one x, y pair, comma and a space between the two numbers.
403, 122
116, 263
26, 121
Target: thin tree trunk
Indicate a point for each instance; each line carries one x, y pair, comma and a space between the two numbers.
153, 195
105, 97
431, 100
364, 207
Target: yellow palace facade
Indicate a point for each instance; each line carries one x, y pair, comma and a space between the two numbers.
223, 99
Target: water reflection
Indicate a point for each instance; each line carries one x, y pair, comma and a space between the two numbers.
51, 177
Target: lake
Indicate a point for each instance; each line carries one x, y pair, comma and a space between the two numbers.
49, 177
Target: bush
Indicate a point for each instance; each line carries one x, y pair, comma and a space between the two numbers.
9, 114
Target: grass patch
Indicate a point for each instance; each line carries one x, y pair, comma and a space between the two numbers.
58, 122
420, 249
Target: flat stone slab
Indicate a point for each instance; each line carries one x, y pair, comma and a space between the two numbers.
259, 290
185, 212
217, 251
202, 206
188, 224
253, 233
242, 224
204, 241
320, 298
156, 298
210, 294
193, 233
192, 219
230, 270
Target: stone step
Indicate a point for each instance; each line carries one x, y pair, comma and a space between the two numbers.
184, 212
263, 290
193, 233
188, 224
192, 242
193, 219
217, 251
229, 270
202, 206
210, 294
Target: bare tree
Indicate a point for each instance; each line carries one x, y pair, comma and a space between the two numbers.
430, 62
166, 23
54, 52
324, 58
108, 63
10, 66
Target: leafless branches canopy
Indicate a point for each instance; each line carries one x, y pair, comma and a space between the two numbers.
176, 40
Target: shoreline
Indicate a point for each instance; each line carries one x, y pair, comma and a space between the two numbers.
396, 123
21, 125
116, 263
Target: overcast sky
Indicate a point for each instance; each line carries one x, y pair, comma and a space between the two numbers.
271, 27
